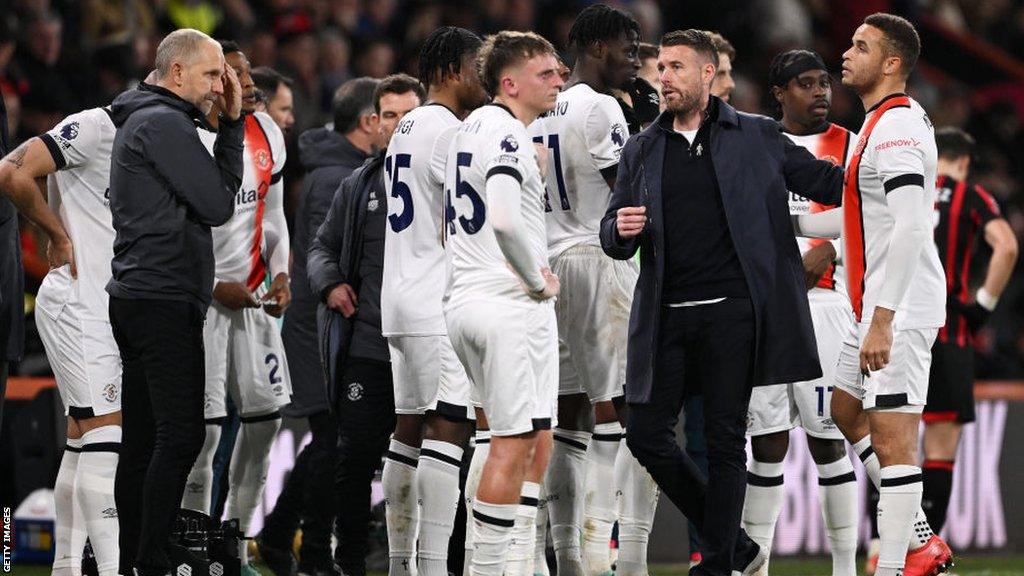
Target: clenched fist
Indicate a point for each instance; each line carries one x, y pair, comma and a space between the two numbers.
630, 221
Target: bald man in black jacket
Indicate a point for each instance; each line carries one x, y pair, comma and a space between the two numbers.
166, 191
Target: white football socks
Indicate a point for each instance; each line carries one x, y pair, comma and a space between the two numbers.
765, 494
492, 531
922, 531
524, 532
94, 488
599, 502
437, 481
566, 475
198, 495
899, 499
637, 501
837, 494
250, 462
69, 528
476, 467
401, 503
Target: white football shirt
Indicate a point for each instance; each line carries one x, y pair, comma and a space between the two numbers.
583, 135
256, 236
835, 144
490, 141
899, 150
79, 192
414, 258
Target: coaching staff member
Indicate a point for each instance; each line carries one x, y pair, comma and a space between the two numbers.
346, 267
166, 191
720, 305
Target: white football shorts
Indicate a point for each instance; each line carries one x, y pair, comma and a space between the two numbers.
902, 386
510, 351
593, 321
245, 358
429, 377
80, 346
807, 404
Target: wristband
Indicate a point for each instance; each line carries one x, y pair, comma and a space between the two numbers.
986, 300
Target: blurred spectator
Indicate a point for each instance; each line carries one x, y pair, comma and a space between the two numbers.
275, 97
297, 58
344, 14
40, 111
262, 49
334, 60
378, 19
115, 71
38, 57
376, 59
107, 22
13, 105
649, 65
521, 15
8, 44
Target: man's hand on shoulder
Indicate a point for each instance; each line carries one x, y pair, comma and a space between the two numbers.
234, 295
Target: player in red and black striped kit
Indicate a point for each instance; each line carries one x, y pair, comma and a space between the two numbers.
964, 212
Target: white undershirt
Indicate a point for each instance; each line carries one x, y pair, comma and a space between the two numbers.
690, 135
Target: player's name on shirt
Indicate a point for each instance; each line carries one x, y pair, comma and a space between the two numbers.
405, 126
560, 109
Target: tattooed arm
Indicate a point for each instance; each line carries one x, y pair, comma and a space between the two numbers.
18, 173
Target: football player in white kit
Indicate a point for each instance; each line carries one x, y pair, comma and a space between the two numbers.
499, 309
432, 391
244, 353
583, 137
897, 290
74, 323
802, 87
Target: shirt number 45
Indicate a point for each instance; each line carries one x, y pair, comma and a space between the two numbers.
476, 217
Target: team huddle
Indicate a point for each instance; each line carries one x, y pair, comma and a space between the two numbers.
508, 282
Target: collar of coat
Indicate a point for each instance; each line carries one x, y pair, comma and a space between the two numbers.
723, 114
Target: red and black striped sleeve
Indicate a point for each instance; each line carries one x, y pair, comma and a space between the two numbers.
984, 205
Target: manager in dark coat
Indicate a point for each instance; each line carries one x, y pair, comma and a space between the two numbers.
720, 305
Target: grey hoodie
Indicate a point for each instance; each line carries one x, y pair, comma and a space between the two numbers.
166, 191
